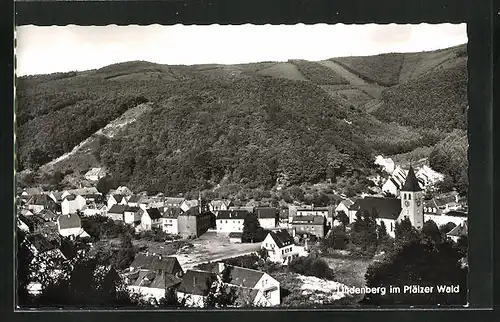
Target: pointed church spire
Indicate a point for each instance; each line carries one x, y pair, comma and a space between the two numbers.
411, 183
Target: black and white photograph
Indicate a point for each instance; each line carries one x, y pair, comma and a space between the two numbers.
231, 167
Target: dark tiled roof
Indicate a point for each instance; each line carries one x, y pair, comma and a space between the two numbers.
194, 211
456, 213
57, 195
172, 212
47, 214
411, 183
118, 198
70, 197
154, 213
241, 276
174, 201
131, 209
443, 201
232, 214
152, 280
155, 262
40, 200
266, 212
135, 198
311, 220
281, 237
387, 208
235, 235
33, 191
117, 209
460, 230
69, 221
197, 282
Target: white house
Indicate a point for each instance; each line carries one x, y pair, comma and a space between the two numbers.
27, 192
428, 176
95, 174
216, 205
229, 221
71, 204
268, 289
151, 218
37, 203
89, 193
122, 190
117, 212
134, 200
95, 210
169, 220
132, 215
395, 182
56, 196
116, 199
280, 246
268, 216
70, 226
344, 206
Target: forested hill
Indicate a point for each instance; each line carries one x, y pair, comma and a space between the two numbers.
250, 124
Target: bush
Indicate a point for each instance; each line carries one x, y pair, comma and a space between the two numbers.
311, 266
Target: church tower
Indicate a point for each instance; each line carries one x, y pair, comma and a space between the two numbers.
412, 200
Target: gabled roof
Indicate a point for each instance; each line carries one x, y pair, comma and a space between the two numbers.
232, 214
387, 208
218, 203
118, 197
57, 195
69, 197
69, 221
281, 237
266, 212
117, 209
40, 200
347, 202
84, 191
135, 198
191, 203
443, 201
455, 213
460, 230
26, 212
40, 243
154, 213
310, 220
194, 211
172, 212
153, 280
155, 262
411, 182
240, 276
197, 282
47, 214
131, 209
33, 191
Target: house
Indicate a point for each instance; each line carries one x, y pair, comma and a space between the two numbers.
195, 287
325, 212
193, 223
150, 285
173, 202
95, 210
37, 203
70, 226
395, 182
158, 263
48, 215
343, 206
244, 208
22, 223
229, 221
447, 202
428, 176
283, 218
458, 231
188, 204
116, 199
280, 246
134, 200
268, 217
95, 174
216, 205
151, 202
169, 220
235, 238
309, 225
26, 212
56, 196
267, 288
117, 212
151, 218
132, 215
72, 203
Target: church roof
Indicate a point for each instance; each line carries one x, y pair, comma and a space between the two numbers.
411, 183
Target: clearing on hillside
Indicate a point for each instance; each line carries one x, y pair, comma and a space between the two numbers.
283, 70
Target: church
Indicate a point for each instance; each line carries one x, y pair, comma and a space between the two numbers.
410, 204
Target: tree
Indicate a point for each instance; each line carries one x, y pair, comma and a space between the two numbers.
405, 232
446, 228
24, 257
431, 233
422, 264
251, 228
126, 253
262, 252
105, 184
364, 232
342, 218
311, 266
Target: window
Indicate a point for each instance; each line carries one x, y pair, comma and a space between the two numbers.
267, 294
282, 252
392, 226
409, 197
404, 196
226, 221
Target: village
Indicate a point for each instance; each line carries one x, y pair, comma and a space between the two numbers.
210, 231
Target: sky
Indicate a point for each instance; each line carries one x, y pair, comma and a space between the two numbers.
43, 50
